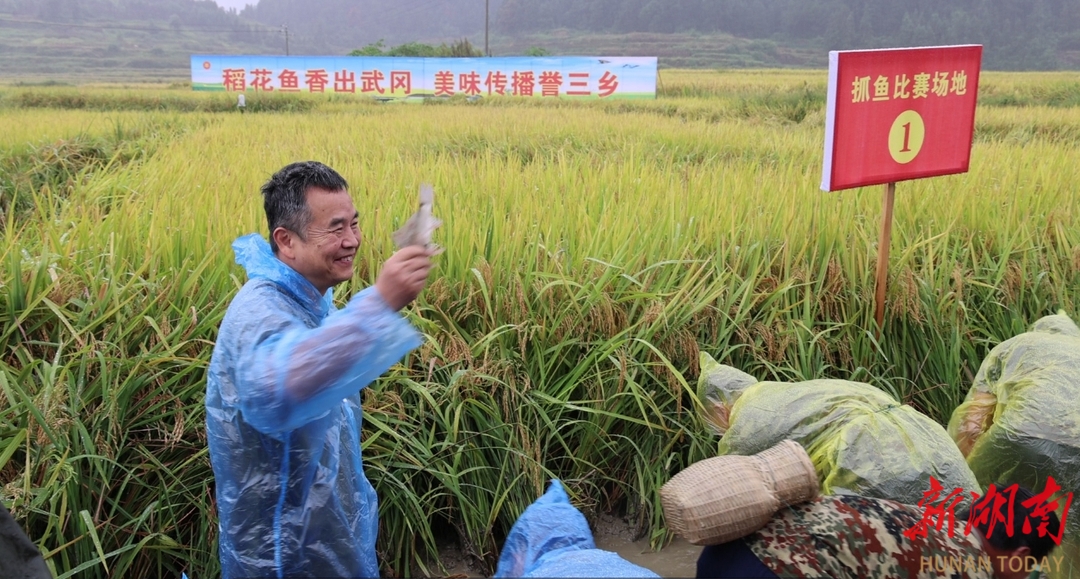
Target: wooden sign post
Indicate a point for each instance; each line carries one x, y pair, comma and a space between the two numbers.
883, 256
894, 115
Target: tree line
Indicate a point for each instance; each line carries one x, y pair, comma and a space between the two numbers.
191, 13
331, 25
1017, 35
1031, 34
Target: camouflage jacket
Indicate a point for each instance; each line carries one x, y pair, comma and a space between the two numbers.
853, 537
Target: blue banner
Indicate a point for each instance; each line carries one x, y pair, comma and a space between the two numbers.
390, 78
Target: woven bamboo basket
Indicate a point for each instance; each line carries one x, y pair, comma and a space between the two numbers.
724, 498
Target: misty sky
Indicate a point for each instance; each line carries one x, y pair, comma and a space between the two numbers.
238, 4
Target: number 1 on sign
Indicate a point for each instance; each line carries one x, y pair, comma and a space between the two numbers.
906, 137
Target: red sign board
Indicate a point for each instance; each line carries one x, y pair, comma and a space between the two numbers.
899, 114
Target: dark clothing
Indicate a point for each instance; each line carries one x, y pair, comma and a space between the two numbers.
732, 560
19, 557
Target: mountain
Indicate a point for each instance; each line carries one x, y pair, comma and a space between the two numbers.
153, 39
1033, 34
235, 4
339, 26
121, 39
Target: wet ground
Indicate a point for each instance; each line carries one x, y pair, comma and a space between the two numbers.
678, 559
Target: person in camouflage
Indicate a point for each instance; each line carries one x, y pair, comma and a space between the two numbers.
855, 537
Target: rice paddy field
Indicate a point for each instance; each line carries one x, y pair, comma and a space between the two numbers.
593, 250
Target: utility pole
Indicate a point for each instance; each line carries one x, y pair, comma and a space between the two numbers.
487, 5
285, 29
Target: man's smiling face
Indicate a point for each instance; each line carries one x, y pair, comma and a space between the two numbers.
325, 253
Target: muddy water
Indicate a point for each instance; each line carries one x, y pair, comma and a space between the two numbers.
678, 559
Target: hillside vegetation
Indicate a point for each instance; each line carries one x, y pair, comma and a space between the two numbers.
1038, 34
117, 40
139, 40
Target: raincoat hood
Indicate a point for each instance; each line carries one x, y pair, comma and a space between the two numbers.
254, 254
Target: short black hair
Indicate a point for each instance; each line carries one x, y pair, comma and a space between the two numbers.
1039, 546
285, 195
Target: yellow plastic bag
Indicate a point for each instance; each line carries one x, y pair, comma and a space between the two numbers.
860, 439
1020, 421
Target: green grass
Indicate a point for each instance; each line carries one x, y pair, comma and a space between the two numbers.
593, 248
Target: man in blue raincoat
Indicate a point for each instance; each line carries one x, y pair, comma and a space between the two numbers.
283, 390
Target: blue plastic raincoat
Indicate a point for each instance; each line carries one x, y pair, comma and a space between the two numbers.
283, 422
552, 539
